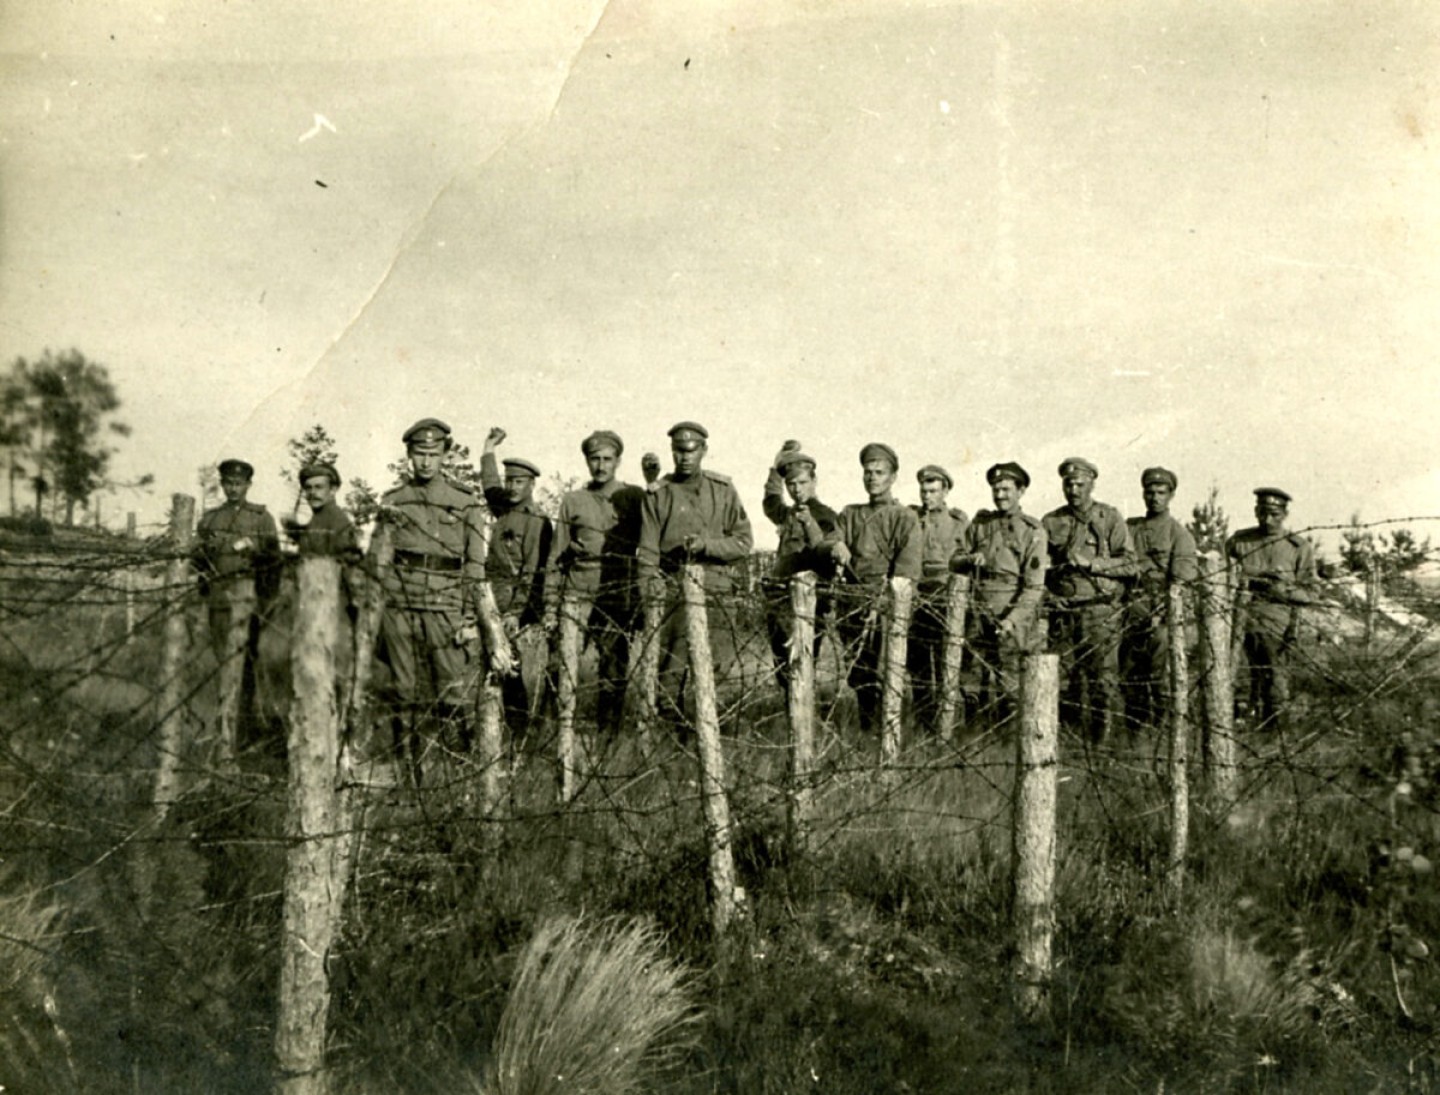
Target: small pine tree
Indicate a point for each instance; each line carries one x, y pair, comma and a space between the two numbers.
314, 446
1209, 523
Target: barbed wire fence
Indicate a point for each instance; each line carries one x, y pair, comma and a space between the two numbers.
122, 807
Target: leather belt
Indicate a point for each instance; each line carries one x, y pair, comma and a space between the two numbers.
427, 562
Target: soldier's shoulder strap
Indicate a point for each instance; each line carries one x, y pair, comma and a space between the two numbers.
959, 514
256, 507
1033, 522
1135, 522
716, 476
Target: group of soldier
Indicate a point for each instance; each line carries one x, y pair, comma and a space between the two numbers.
460, 587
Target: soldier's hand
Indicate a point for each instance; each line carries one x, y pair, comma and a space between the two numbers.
468, 632
502, 660
244, 544
494, 437
841, 554
511, 625
650, 467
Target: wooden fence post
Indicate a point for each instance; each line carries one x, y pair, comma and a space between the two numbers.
315, 861
1372, 601
130, 577
1033, 859
1179, 713
892, 702
957, 603
645, 667
801, 709
1216, 668
714, 800
174, 711
371, 581
568, 676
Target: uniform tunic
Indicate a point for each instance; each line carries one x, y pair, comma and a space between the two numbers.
1274, 575
519, 549
330, 531
802, 531
438, 565
942, 533
1007, 553
884, 541
593, 562
1165, 556
705, 506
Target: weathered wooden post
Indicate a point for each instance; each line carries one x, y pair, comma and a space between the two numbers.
568, 676
801, 709
130, 578
1216, 668
490, 702
315, 863
645, 667
714, 801
1033, 847
1372, 602
174, 712
957, 603
1179, 712
892, 700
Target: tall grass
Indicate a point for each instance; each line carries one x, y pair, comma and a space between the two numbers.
34, 1048
594, 1008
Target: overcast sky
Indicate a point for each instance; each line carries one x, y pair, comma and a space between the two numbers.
1202, 235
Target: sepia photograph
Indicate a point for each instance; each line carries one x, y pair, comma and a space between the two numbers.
615, 546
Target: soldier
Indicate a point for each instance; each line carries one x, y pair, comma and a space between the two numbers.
690, 516
1165, 556
594, 563
873, 542
802, 529
1090, 558
1005, 550
519, 554
1275, 571
237, 554
330, 531
435, 590
942, 531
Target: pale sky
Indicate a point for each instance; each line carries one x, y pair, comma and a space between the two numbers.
1202, 235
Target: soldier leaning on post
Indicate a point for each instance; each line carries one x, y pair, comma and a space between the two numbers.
435, 592
519, 553
1165, 557
237, 556
1275, 572
1091, 558
330, 531
802, 528
593, 568
942, 532
873, 542
1004, 550
692, 515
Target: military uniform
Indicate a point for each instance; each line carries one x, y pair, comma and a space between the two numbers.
802, 531
1274, 574
1006, 553
237, 555
1165, 554
432, 585
942, 533
594, 564
520, 543
1087, 607
703, 511
330, 531
884, 541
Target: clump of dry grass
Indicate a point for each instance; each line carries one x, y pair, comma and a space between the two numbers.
594, 1007
34, 1048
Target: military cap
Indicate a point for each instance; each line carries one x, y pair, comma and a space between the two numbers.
934, 471
602, 439
1272, 492
237, 467
1159, 475
1078, 463
427, 431
1007, 470
688, 431
793, 462
314, 471
515, 466
878, 450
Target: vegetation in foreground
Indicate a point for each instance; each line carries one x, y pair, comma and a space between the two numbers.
1299, 958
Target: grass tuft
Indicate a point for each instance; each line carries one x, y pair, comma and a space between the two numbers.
594, 1007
